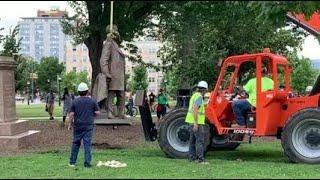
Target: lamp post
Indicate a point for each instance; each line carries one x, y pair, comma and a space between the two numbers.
32, 82
48, 81
28, 83
58, 81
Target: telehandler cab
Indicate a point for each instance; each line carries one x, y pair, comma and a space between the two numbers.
294, 120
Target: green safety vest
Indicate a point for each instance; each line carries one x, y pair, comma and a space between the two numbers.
201, 115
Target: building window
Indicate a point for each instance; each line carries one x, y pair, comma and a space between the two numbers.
74, 59
74, 69
84, 59
151, 79
84, 48
152, 50
74, 48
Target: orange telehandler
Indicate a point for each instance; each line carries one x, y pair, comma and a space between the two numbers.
294, 120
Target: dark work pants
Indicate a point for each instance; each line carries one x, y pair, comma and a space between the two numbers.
240, 108
84, 134
196, 144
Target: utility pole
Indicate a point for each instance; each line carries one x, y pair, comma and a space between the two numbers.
59, 94
28, 83
32, 85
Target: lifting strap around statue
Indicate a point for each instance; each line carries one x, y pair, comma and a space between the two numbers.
111, 16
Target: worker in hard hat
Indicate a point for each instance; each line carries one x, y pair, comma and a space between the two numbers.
308, 90
82, 113
242, 106
196, 119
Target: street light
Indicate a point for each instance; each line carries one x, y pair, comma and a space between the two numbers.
28, 83
58, 81
32, 81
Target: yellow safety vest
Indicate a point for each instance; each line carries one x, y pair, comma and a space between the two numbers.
201, 115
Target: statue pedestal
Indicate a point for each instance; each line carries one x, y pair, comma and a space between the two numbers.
14, 133
104, 121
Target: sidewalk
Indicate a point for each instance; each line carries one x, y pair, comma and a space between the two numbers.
60, 118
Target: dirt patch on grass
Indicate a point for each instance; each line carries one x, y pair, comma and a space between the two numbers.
55, 137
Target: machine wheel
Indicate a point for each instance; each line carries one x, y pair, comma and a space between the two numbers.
301, 137
221, 142
174, 134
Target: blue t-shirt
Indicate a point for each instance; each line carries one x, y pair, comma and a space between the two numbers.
84, 108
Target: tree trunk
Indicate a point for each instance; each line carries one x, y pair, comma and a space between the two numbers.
95, 45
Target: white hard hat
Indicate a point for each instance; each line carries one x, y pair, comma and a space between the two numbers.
203, 84
309, 88
83, 87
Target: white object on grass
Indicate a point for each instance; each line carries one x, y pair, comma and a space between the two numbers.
112, 164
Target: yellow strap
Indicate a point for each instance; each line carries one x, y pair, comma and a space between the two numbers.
111, 16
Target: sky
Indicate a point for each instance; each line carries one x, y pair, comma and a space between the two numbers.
11, 11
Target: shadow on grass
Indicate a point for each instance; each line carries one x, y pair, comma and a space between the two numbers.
251, 155
105, 146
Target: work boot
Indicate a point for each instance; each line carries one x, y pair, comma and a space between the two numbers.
203, 162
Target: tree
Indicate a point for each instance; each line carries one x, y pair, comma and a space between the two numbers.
89, 24
197, 37
11, 47
48, 70
72, 79
139, 80
277, 10
303, 74
11, 44
1, 36
23, 71
172, 82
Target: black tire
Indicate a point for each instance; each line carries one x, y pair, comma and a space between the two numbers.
177, 146
221, 142
301, 137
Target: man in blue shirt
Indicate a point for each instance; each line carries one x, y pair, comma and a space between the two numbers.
82, 113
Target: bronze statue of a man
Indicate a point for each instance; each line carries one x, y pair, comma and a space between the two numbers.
112, 64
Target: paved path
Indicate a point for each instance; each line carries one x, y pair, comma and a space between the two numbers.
47, 118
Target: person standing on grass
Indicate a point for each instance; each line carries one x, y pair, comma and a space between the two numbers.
196, 119
50, 103
81, 116
151, 101
67, 102
162, 105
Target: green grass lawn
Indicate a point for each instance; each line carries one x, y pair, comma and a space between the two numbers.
258, 160
36, 110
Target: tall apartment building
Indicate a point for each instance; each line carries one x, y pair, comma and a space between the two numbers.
42, 36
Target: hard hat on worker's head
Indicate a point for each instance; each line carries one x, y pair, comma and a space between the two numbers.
309, 88
83, 87
203, 84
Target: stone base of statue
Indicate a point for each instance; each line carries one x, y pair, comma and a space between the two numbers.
104, 121
14, 133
